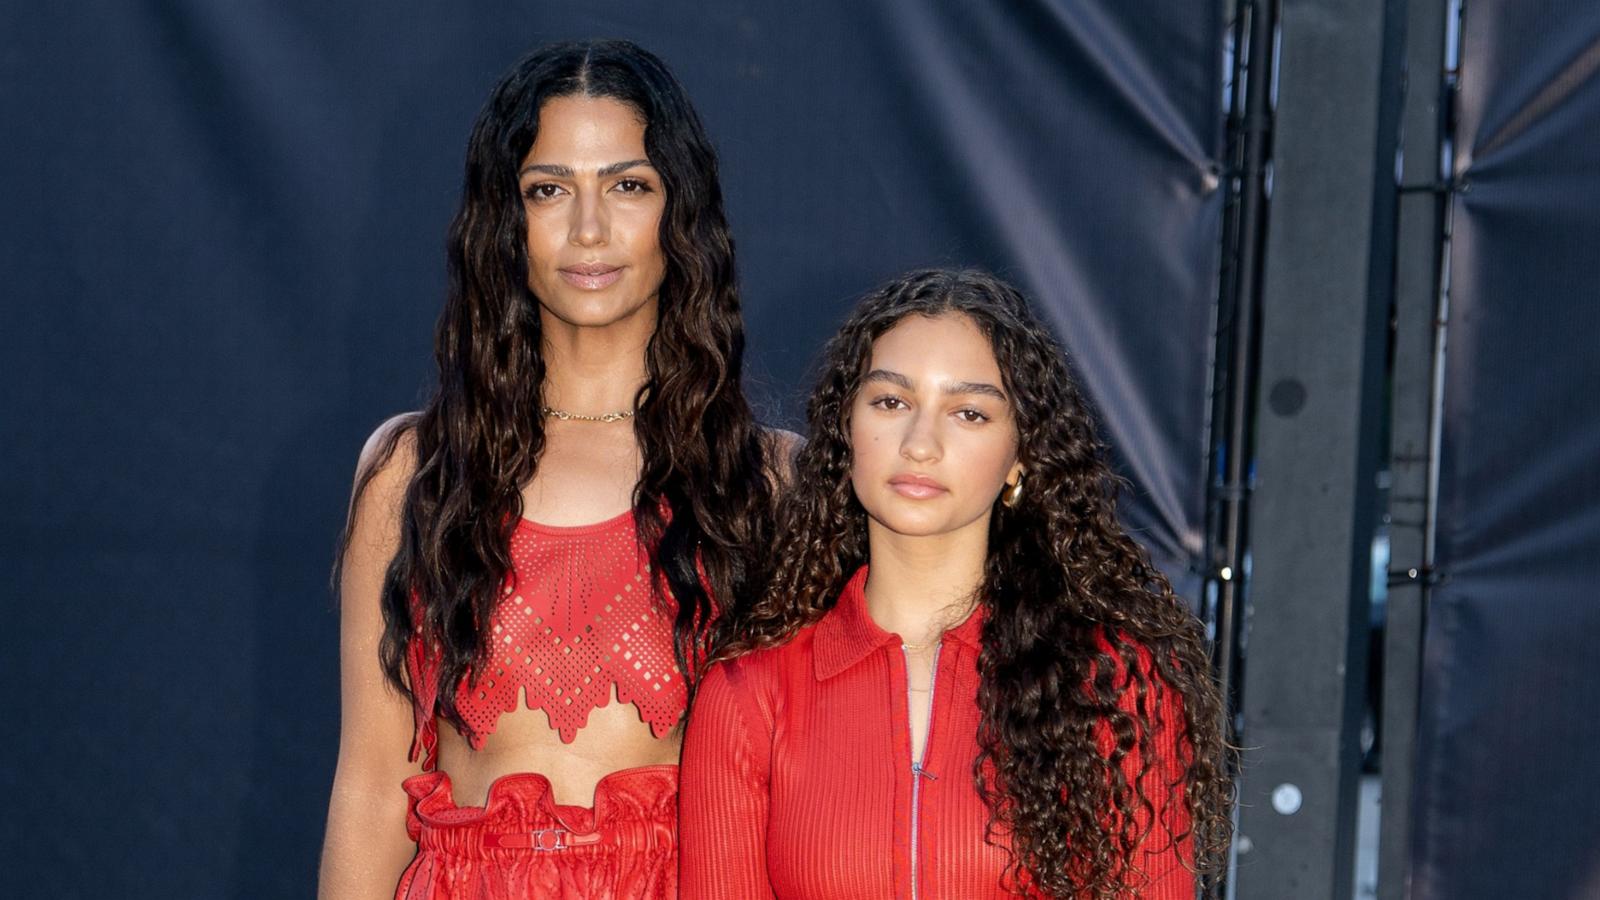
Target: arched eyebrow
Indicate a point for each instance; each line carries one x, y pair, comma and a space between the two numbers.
953, 387
894, 378
975, 387
615, 168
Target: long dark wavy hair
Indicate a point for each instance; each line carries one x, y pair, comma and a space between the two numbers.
1062, 582
703, 497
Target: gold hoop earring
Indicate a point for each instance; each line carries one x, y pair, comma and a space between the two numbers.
1012, 495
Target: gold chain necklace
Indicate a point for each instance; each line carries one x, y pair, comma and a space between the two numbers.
565, 416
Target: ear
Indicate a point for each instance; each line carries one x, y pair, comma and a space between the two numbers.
1015, 475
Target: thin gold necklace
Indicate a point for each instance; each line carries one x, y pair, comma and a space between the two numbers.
565, 416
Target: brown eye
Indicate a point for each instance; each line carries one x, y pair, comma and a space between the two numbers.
544, 190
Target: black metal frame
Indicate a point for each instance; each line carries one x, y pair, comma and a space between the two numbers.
1249, 130
1418, 354
1304, 314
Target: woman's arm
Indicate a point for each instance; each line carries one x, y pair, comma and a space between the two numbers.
366, 846
723, 793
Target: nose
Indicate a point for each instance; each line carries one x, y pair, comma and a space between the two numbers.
920, 443
591, 223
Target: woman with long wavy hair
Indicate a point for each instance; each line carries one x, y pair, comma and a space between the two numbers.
966, 680
533, 566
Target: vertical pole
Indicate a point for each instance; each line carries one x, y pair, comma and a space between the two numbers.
1327, 274
1252, 127
1418, 348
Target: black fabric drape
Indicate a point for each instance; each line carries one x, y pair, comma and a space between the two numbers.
1506, 791
221, 257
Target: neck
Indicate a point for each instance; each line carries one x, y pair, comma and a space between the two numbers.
918, 586
593, 371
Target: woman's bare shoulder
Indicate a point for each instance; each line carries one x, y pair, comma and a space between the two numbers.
392, 445
384, 469
388, 458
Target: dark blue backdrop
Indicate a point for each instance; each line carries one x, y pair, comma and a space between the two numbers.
220, 253
1506, 782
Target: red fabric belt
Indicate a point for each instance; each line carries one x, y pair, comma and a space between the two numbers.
639, 837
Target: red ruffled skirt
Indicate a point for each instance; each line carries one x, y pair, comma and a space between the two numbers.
522, 844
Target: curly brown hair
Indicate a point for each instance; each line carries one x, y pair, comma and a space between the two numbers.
1064, 588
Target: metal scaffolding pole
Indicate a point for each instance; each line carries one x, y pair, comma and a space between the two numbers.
1250, 129
1418, 350
1326, 278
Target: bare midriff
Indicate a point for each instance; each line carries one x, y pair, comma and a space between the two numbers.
613, 739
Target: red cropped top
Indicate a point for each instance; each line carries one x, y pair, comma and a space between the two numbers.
578, 616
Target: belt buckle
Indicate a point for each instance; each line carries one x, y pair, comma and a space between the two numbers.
543, 840
547, 840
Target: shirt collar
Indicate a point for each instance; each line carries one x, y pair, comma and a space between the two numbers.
847, 634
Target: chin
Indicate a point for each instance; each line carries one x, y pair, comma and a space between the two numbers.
914, 523
597, 309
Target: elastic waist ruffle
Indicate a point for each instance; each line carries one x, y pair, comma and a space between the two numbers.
635, 812
521, 843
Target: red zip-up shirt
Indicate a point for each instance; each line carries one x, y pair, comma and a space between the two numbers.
797, 779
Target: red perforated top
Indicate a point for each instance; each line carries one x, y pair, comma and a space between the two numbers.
578, 616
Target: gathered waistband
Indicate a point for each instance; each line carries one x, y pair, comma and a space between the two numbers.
635, 812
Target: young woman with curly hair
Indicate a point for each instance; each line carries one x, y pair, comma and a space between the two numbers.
531, 573
966, 680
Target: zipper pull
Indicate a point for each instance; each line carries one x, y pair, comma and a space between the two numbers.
919, 771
